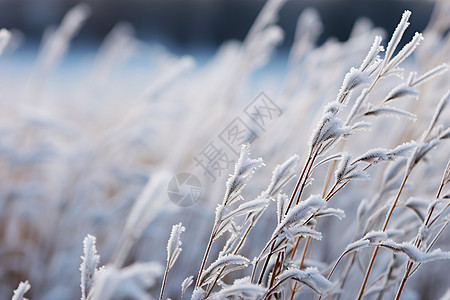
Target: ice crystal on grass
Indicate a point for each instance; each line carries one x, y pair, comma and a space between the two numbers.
309, 277
241, 288
186, 284
405, 52
330, 128
372, 55
346, 170
243, 171
89, 265
174, 243
353, 79
282, 201
294, 231
302, 211
282, 174
415, 254
249, 207
19, 293
396, 37
390, 111
401, 90
335, 212
380, 154
173, 251
222, 262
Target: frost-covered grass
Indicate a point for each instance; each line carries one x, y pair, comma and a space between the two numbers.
344, 196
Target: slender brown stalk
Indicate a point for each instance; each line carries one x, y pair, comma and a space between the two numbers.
301, 265
309, 238
347, 272
304, 252
308, 173
299, 181
266, 263
298, 190
386, 222
241, 243
295, 248
333, 269
163, 285
292, 257
275, 270
342, 145
418, 243
405, 277
293, 291
331, 193
205, 257
331, 170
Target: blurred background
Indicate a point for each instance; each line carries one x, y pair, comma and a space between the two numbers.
187, 25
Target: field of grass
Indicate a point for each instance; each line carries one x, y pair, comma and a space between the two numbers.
327, 177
